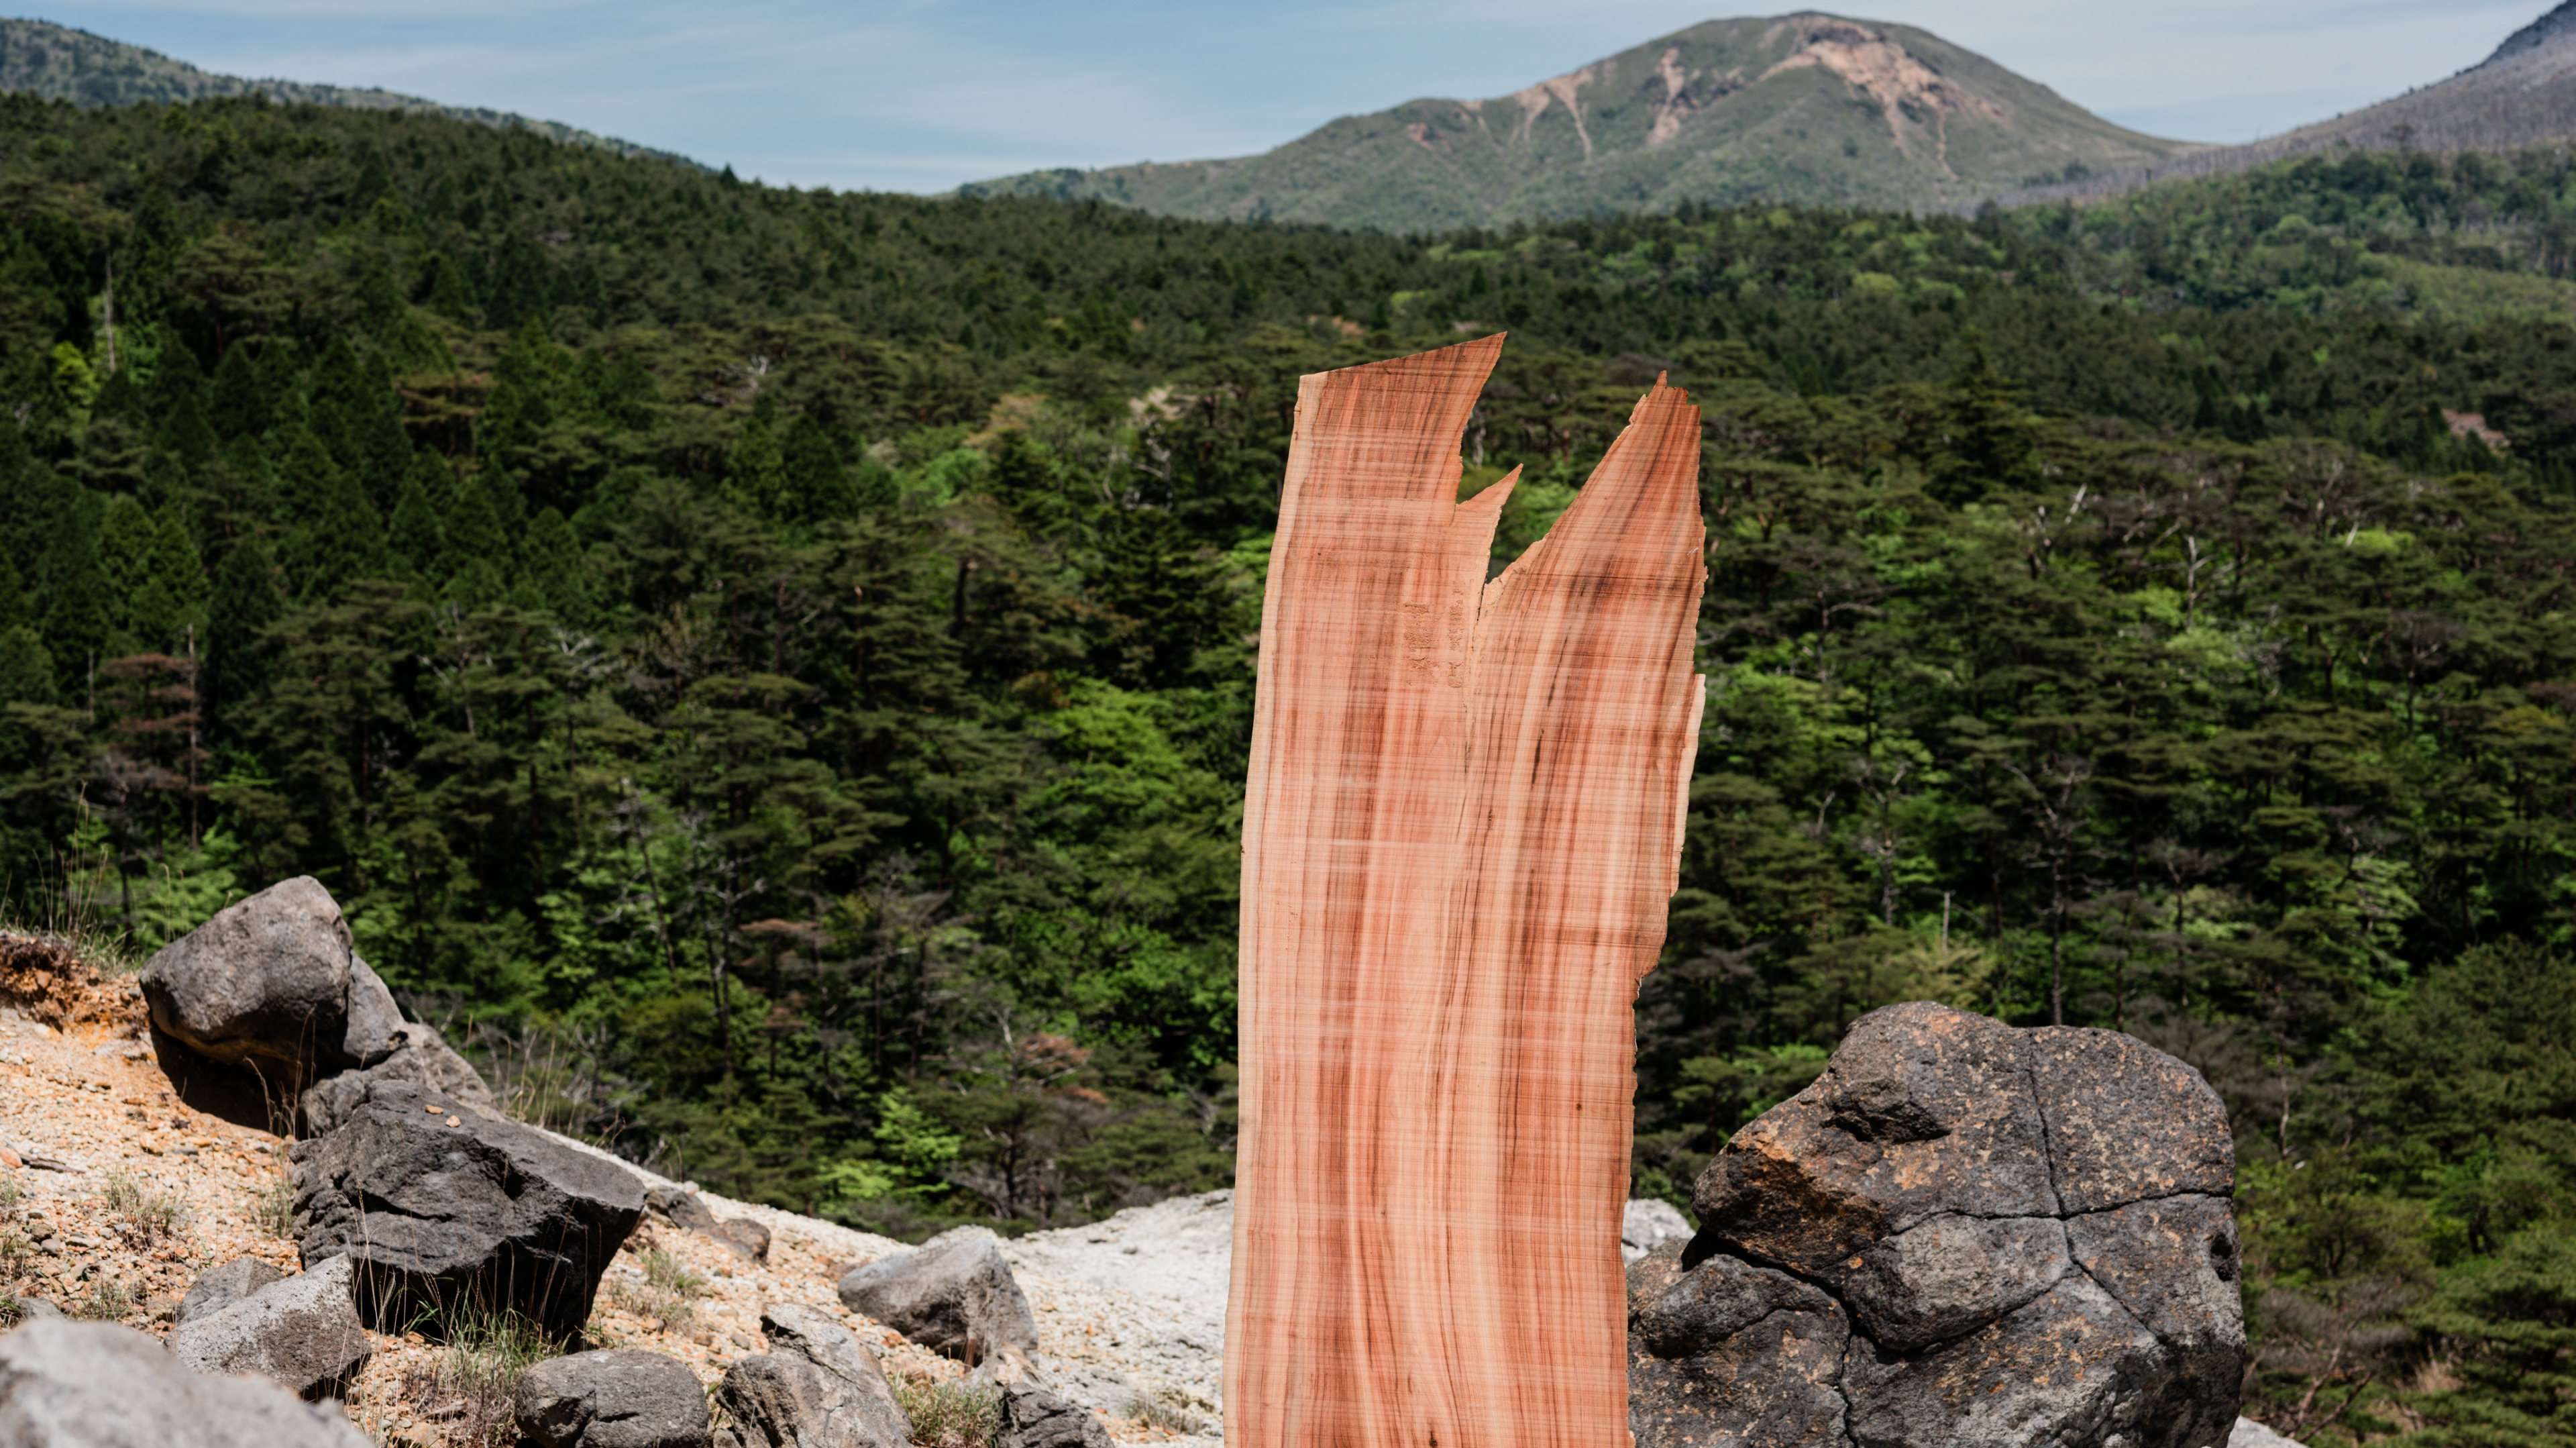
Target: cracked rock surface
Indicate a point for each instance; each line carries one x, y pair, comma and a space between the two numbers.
1963, 1234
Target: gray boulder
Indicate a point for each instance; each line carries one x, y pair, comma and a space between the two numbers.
817, 1387
2250, 1434
265, 982
411, 1052
217, 1288
92, 1385
1962, 1234
301, 1331
1032, 1417
952, 1294
32, 1308
438, 1203
682, 1206
615, 1399
745, 1236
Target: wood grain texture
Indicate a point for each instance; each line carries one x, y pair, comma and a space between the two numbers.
1460, 833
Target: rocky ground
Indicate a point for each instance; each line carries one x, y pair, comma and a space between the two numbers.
114, 1195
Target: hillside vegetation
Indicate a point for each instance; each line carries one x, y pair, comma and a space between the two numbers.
1807, 109
773, 667
57, 62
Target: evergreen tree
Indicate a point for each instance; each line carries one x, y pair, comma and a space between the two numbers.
817, 477
126, 549
147, 259
244, 603
172, 596
556, 569
333, 533
756, 471
79, 600
1986, 443
416, 543
26, 669
281, 384
407, 344
519, 409
238, 406
444, 291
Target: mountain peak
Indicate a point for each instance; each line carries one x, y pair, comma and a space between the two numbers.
2538, 33
1810, 107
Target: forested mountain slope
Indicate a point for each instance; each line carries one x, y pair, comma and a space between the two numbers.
58, 62
771, 668
1808, 108
2523, 94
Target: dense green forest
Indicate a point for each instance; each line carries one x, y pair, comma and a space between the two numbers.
771, 669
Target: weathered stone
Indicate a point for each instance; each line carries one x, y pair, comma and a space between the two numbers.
372, 1017
682, 1206
744, 1236
2026, 1234
2126, 1121
858, 1403
780, 1400
482, 1211
217, 1288
92, 1385
2250, 1434
1032, 1417
1726, 1352
1923, 1111
952, 1294
1646, 1224
620, 1398
301, 1331
412, 1052
2070, 1368
265, 979
1948, 1276
2173, 1264
32, 1308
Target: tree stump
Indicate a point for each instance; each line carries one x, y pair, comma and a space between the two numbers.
1462, 826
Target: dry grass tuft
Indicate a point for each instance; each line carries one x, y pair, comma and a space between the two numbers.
151, 1217
952, 1414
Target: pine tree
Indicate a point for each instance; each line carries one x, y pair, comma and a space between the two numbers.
146, 260
818, 478
756, 470
334, 534
444, 292
239, 407
281, 387
520, 408
125, 550
79, 600
1987, 442
556, 570
245, 602
415, 541
26, 669
408, 345
172, 594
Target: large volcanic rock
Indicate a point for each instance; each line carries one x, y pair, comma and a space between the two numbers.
266, 1008
439, 1203
1961, 1234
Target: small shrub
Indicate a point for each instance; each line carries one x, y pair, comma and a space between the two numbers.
950, 1414
272, 1206
1156, 1414
11, 1196
664, 1269
108, 1301
17, 1254
469, 1392
154, 1217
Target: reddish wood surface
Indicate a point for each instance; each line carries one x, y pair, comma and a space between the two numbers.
1460, 833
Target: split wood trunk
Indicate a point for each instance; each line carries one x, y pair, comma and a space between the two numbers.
1461, 830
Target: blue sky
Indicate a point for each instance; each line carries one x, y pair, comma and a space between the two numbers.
918, 95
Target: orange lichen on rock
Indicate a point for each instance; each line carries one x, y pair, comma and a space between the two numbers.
1462, 825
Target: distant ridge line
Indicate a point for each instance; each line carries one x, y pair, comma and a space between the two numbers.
2522, 95
65, 63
